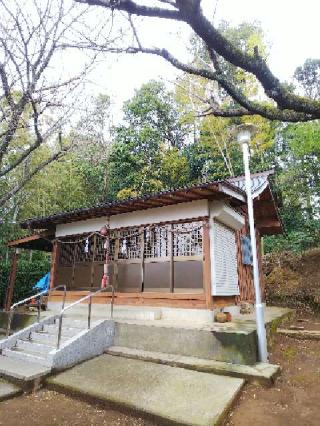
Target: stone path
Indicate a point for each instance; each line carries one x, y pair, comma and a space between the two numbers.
168, 393
8, 390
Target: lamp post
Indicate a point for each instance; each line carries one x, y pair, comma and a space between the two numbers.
243, 138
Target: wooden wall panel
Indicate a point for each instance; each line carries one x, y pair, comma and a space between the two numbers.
246, 285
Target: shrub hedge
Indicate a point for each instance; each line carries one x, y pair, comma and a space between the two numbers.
28, 273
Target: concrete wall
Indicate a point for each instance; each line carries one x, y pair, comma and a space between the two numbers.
85, 345
190, 210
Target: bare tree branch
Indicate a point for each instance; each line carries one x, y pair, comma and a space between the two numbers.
30, 175
36, 99
249, 107
285, 105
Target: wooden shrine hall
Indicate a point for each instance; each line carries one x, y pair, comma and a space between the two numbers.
184, 248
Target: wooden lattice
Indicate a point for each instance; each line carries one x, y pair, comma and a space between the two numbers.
66, 255
187, 243
156, 242
185, 238
129, 244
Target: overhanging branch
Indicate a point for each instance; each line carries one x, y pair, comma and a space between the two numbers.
248, 107
288, 106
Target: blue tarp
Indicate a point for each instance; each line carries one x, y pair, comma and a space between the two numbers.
43, 283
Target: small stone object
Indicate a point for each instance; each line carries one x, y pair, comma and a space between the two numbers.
221, 317
246, 308
229, 316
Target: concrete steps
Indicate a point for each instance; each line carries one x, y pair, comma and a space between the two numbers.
36, 347
25, 371
260, 372
35, 351
24, 355
46, 338
170, 394
67, 331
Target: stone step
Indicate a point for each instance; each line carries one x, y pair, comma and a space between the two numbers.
104, 312
173, 394
34, 347
46, 338
12, 368
261, 372
65, 331
22, 355
73, 323
224, 343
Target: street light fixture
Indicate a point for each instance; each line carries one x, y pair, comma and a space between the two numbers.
244, 132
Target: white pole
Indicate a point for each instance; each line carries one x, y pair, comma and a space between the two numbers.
261, 330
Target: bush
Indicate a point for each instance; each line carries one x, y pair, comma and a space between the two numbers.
28, 273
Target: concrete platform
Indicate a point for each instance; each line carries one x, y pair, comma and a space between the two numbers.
260, 372
8, 390
171, 394
271, 314
21, 370
221, 342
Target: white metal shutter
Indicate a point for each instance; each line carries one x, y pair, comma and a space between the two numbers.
225, 261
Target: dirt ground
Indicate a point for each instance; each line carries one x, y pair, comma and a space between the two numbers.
47, 408
294, 400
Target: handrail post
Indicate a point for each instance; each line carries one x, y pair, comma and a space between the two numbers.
10, 316
59, 331
89, 312
39, 307
112, 301
39, 304
64, 298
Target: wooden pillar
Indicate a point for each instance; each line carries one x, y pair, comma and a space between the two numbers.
115, 263
93, 260
171, 249
12, 280
54, 263
260, 263
206, 263
142, 257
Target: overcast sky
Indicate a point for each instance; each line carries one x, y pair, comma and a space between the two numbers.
292, 30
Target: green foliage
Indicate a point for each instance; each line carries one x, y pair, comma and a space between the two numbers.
28, 273
161, 144
308, 77
297, 157
147, 154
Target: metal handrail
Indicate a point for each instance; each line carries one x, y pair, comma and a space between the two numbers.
88, 296
39, 302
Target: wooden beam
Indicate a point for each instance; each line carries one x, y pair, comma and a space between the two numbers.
12, 281
146, 295
166, 200
54, 263
189, 195
267, 223
24, 240
207, 264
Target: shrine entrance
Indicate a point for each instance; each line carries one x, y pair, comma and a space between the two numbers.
162, 258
